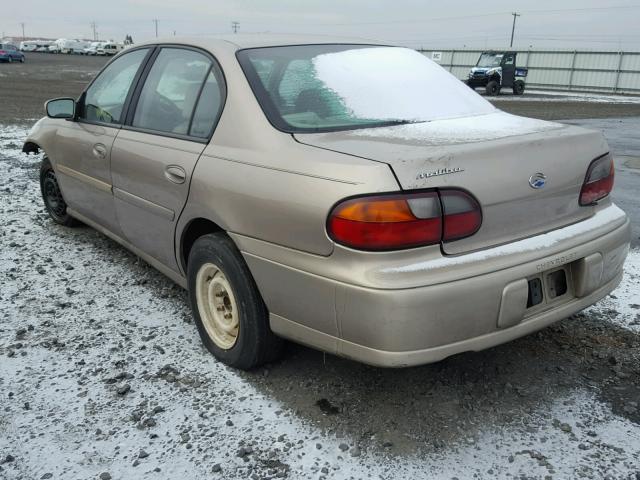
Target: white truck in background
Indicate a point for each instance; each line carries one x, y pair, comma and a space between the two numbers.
62, 45
35, 45
109, 48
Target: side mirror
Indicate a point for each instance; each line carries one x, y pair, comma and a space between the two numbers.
61, 108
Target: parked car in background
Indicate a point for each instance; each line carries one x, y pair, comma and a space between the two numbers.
356, 198
63, 45
10, 53
93, 48
109, 49
28, 46
35, 46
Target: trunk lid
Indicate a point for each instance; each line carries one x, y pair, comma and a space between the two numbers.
495, 157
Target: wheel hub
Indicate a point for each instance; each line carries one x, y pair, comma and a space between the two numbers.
217, 306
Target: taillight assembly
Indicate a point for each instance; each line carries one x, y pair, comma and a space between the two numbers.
2, 52
598, 182
404, 220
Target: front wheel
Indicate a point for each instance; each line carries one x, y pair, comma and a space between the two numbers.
52, 196
492, 88
228, 309
518, 87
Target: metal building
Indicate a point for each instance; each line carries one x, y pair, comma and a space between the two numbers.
579, 70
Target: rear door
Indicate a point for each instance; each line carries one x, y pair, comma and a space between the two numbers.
176, 109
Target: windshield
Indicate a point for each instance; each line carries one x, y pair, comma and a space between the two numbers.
316, 88
489, 60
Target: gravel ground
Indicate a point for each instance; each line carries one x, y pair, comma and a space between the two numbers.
102, 375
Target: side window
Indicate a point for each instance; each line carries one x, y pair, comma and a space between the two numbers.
508, 60
105, 98
209, 105
171, 90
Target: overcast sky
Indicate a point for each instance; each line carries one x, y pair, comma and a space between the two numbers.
455, 23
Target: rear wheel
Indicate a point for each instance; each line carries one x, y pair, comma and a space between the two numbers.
492, 88
229, 312
52, 196
518, 87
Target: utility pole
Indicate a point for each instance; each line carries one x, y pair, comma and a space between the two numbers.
22, 25
155, 20
235, 26
513, 28
95, 34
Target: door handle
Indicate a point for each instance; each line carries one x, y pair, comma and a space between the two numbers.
99, 150
175, 174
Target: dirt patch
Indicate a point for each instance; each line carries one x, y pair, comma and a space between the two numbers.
27, 86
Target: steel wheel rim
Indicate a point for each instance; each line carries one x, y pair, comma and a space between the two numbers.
217, 306
53, 195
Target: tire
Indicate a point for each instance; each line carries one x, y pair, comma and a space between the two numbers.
22, 60
492, 88
52, 196
219, 277
10, 60
518, 87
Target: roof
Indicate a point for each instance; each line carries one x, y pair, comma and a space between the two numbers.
249, 40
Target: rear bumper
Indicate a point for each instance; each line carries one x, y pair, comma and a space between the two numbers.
482, 305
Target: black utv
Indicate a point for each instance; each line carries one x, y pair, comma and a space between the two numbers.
497, 70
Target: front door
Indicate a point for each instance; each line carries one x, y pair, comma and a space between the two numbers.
508, 69
155, 153
83, 147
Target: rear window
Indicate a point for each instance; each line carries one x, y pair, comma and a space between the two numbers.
318, 88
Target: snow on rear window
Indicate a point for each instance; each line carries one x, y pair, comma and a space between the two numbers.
390, 83
312, 88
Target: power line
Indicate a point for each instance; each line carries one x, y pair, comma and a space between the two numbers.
462, 17
583, 9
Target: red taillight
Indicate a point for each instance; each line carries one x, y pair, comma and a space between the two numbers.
598, 182
2, 52
393, 222
462, 215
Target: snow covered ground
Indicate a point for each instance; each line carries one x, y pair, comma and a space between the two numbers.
102, 376
562, 96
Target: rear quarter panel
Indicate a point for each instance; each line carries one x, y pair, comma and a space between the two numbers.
256, 181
